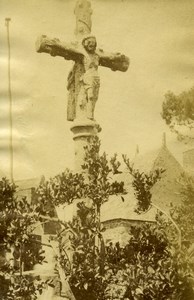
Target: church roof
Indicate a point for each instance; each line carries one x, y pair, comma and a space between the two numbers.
157, 158
116, 208
168, 162
165, 191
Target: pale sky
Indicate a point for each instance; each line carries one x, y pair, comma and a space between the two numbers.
158, 36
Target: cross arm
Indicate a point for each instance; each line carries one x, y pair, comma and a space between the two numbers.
55, 48
114, 61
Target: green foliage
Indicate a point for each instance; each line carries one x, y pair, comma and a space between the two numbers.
86, 274
142, 184
62, 189
18, 245
97, 185
179, 110
183, 214
25, 287
7, 205
115, 164
99, 171
86, 271
147, 268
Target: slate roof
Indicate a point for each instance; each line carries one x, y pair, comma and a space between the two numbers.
165, 191
115, 208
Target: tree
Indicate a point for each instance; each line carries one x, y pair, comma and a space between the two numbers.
178, 113
142, 184
86, 275
148, 267
183, 214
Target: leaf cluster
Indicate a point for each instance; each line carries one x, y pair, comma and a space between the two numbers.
97, 183
147, 268
183, 213
179, 110
20, 249
85, 273
25, 287
142, 184
100, 172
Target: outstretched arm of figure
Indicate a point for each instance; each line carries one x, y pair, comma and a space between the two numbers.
114, 61
55, 48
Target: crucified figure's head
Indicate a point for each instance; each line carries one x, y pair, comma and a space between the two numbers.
89, 43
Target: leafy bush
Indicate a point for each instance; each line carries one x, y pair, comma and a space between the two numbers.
18, 245
148, 268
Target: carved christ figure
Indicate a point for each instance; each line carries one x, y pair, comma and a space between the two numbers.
83, 80
88, 85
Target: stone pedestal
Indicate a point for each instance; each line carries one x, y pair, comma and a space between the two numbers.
82, 131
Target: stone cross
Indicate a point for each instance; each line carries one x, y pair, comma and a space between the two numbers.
83, 80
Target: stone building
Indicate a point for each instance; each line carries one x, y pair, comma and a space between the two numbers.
167, 189
26, 188
119, 215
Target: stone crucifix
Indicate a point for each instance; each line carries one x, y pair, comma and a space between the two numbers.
83, 80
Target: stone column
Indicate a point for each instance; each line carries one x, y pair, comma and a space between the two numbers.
82, 131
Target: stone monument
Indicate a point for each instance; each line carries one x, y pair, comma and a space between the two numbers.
83, 85
83, 82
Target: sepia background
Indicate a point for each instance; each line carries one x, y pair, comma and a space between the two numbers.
156, 35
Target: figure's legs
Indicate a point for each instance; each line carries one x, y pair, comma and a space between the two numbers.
92, 97
92, 90
81, 104
90, 104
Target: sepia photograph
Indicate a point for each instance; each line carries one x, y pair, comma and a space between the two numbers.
97, 150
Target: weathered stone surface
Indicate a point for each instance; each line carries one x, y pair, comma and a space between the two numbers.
83, 85
83, 12
82, 130
83, 80
114, 61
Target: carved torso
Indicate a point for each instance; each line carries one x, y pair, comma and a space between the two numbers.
91, 61
90, 76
